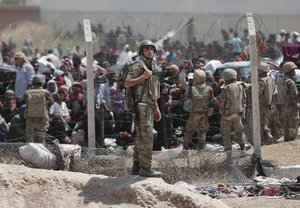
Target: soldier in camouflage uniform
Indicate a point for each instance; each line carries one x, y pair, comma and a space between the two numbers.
266, 89
144, 86
37, 122
290, 114
231, 101
201, 95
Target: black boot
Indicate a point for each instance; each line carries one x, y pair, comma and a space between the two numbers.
135, 170
242, 146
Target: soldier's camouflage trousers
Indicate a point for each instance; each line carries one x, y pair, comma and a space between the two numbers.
227, 122
196, 121
271, 128
266, 136
36, 130
143, 143
290, 123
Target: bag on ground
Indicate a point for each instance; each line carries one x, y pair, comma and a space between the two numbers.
38, 155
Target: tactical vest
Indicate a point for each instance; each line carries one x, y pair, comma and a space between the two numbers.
291, 89
282, 90
234, 98
266, 98
147, 91
36, 104
201, 94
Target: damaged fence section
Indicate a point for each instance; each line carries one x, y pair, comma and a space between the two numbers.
197, 168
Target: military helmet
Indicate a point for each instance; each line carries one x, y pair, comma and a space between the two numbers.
289, 66
38, 79
199, 76
229, 74
146, 43
264, 67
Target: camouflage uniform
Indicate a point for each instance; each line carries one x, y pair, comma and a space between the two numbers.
36, 127
247, 118
36, 130
200, 95
145, 95
232, 95
290, 120
266, 89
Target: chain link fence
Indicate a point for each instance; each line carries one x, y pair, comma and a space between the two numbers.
197, 168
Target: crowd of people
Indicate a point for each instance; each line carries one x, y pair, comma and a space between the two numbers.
192, 100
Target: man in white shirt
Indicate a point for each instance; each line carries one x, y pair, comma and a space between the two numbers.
60, 118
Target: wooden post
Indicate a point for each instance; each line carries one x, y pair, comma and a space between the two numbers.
90, 82
254, 86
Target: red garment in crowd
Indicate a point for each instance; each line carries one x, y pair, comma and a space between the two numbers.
60, 81
289, 51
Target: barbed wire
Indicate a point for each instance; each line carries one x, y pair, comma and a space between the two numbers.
151, 30
56, 33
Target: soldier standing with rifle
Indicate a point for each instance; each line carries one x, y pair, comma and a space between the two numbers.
144, 86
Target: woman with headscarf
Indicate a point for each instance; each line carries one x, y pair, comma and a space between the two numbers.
52, 87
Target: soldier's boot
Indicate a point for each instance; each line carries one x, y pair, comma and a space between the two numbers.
242, 146
269, 138
201, 142
186, 146
292, 134
229, 158
200, 146
288, 136
243, 151
147, 172
40, 137
135, 170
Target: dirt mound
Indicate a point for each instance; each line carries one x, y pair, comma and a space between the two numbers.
21, 186
282, 153
27, 187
